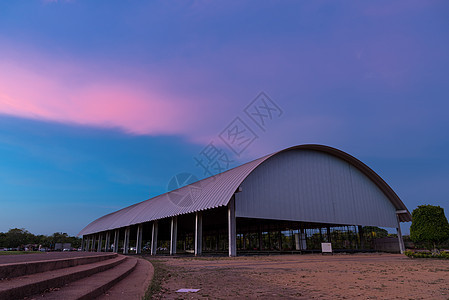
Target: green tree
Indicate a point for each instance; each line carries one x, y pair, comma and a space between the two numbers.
43, 240
373, 232
17, 237
3, 240
429, 226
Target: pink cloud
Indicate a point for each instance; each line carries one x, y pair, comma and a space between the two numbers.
49, 91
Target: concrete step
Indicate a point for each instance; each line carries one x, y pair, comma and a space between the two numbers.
20, 287
132, 286
11, 270
92, 286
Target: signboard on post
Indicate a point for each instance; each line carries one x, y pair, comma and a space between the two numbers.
326, 247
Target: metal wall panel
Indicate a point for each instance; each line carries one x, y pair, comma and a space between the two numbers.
313, 186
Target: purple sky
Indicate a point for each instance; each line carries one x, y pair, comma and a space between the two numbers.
102, 102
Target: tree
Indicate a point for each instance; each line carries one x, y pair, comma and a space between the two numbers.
3, 240
429, 226
373, 232
17, 237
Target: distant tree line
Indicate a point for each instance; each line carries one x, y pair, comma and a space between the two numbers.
19, 238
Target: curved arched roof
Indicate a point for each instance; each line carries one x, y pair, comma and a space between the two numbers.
217, 191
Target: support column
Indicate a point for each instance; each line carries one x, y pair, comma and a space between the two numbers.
280, 240
154, 238
361, 237
173, 235
303, 240
260, 238
107, 242
116, 237
92, 247
126, 240
198, 233
400, 239
329, 239
82, 243
139, 239
244, 241
217, 240
232, 235
100, 242
269, 239
292, 239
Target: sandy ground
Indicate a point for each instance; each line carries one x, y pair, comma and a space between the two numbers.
356, 276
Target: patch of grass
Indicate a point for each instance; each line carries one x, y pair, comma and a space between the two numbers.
18, 252
161, 272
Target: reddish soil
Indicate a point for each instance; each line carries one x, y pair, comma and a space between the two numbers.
356, 276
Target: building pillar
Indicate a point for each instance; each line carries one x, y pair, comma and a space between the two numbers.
269, 239
107, 243
303, 242
217, 240
82, 243
173, 235
260, 238
232, 230
361, 237
280, 240
126, 240
116, 237
100, 242
198, 233
329, 239
350, 236
292, 239
92, 247
139, 239
154, 238
400, 239
244, 241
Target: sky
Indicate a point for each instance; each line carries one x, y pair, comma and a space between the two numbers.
102, 103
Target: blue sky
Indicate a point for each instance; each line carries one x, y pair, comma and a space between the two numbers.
101, 103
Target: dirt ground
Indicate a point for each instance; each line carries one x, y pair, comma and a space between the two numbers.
340, 276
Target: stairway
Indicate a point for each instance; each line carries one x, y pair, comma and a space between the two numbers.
86, 276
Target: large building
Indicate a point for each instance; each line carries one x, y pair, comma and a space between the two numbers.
291, 200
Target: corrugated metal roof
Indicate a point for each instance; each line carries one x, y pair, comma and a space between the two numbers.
216, 191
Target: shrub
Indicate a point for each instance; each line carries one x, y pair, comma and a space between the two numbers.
442, 255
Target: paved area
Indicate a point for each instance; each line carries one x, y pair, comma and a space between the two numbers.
9, 259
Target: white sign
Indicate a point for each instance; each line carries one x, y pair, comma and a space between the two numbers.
187, 290
326, 247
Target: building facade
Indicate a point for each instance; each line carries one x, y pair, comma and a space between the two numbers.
290, 200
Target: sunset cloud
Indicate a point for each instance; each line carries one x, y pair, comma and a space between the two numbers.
99, 100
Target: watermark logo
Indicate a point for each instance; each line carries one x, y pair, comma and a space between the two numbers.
237, 137
187, 196
262, 110
213, 160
